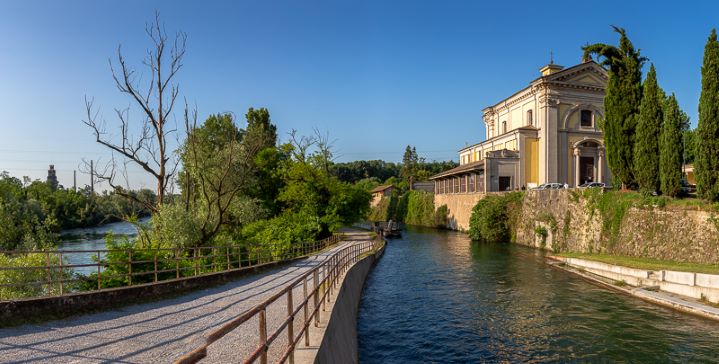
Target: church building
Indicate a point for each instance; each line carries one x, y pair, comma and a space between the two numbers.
546, 132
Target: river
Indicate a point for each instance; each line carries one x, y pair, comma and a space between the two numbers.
92, 238
435, 296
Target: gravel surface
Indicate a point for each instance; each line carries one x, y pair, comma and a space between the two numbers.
164, 330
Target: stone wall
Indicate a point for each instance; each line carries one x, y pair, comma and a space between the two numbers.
574, 222
459, 208
339, 340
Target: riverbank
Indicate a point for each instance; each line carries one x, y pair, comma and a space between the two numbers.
689, 292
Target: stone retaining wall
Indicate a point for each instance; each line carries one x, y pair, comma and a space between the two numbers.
459, 208
339, 342
574, 224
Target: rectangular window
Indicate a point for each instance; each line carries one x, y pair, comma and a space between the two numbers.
586, 119
471, 182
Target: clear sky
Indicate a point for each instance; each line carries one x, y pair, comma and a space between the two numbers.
377, 75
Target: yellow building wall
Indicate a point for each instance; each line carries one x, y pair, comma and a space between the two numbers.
531, 163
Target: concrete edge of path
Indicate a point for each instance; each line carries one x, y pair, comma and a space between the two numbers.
335, 338
658, 298
33, 310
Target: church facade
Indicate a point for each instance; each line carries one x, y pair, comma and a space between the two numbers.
544, 133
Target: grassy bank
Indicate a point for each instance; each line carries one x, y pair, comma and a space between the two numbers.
646, 263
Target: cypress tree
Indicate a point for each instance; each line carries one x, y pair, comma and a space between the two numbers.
621, 103
646, 140
671, 149
707, 143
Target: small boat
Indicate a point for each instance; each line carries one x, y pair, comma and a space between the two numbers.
397, 233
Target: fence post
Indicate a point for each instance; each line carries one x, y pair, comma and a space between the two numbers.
61, 272
99, 279
129, 267
155, 259
263, 336
49, 276
194, 259
227, 254
177, 263
291, 326
317, 297
307, 303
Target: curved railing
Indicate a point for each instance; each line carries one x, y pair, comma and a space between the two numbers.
316, 286
42, 273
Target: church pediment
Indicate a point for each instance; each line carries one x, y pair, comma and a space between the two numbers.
585, 74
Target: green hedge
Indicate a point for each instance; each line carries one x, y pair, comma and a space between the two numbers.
494, 217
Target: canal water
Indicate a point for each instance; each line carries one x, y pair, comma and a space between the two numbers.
437, 297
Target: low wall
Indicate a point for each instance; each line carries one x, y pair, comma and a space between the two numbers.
459, 208
34, 309
575, 223
694, 285
339, 343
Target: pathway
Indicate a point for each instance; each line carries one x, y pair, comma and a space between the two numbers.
161, 331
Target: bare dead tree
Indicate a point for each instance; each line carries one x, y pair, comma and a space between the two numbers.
300, 145
148, 149
324, 149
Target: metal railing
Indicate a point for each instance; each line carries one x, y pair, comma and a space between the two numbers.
60, 272
316, 286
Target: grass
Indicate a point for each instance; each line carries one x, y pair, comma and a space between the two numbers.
646, 263
681, 203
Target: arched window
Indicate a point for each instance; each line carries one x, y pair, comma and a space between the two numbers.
585, 120
504, 126
530, 122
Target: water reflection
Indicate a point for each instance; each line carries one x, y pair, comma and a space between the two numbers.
437, 297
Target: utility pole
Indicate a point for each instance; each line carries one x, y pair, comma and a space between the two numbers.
74, 180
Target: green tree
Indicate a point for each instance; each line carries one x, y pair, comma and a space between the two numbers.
410, 165
646, 141
707, 142
689, 140
671, 148
261, 133
621, 102
217, 171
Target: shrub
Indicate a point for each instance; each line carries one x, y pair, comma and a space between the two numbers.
494, 217
30, 282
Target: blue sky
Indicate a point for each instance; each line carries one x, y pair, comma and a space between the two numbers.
377, 75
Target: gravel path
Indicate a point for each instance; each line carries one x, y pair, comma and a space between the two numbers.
161, 331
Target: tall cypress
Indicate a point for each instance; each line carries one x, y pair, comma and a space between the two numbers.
671, 148
707, 143
646, 140
621, 103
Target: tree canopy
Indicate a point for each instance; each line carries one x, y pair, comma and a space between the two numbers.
707, 141
646, 142
621, 102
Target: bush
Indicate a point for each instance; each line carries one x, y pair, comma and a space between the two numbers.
26, 279
494, 218
279, 234
420, 208
173, 227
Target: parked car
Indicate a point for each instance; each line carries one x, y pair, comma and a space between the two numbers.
687, 188
592, 185
551, 186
